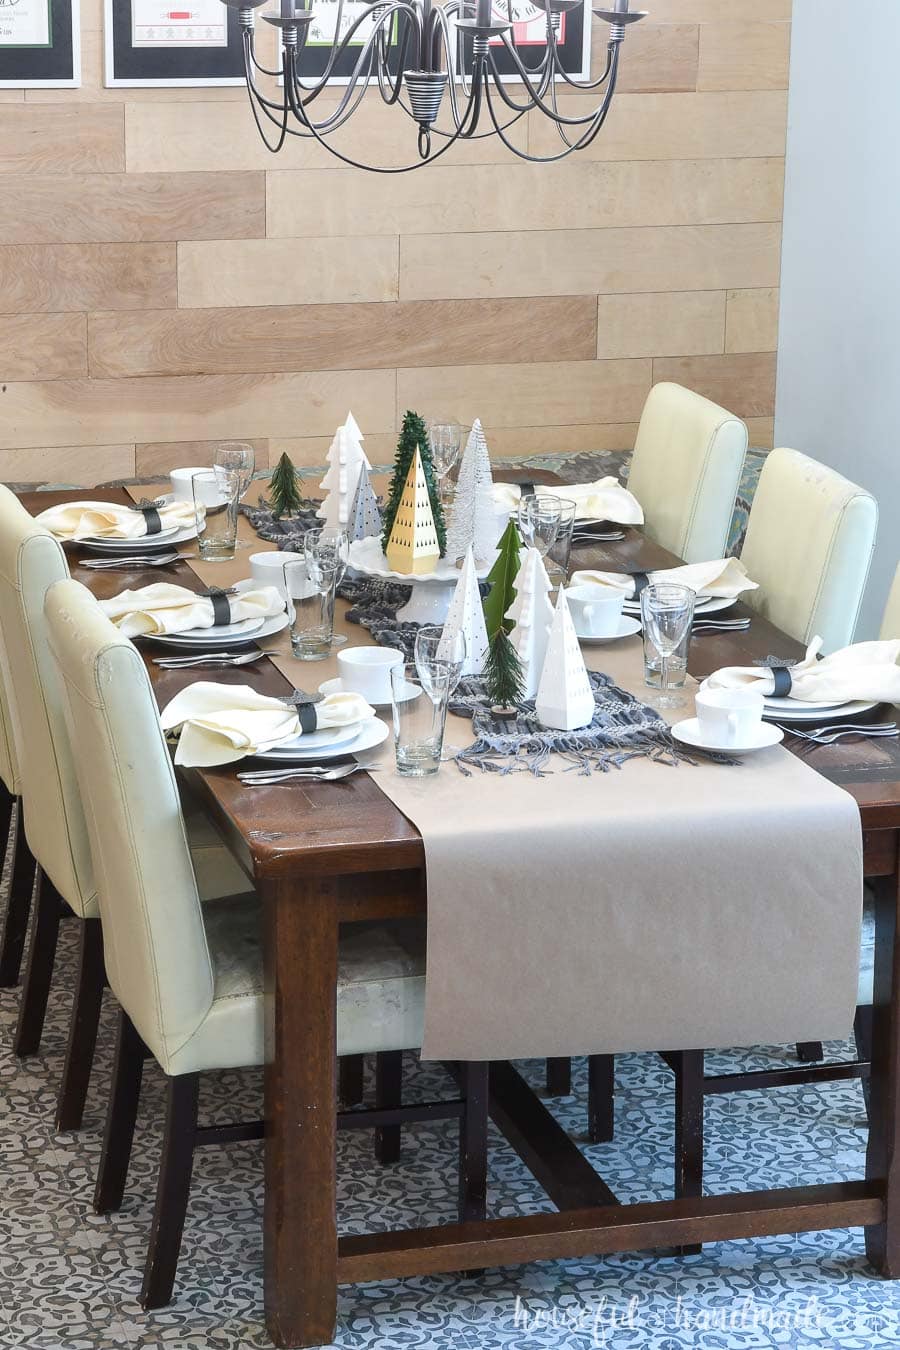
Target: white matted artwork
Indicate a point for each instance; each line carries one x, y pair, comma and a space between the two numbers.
171, 43
40, 44
572, 29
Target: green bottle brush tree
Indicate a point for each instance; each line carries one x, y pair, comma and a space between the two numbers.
413, 433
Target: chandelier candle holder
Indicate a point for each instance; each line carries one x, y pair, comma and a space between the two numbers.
437, 64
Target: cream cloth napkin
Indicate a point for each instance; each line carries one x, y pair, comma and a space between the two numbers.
224, 722
604, 500
865, 670
108, 520
166, 608
723, 577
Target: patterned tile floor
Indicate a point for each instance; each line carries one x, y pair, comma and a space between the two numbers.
69, 1280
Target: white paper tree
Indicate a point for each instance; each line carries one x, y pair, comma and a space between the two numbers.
565, 699
466, 616
532, 615
473, 516
346, 458
413, 547
365, 517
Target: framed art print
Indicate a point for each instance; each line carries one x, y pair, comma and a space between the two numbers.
172, 42
529, 37
39, 44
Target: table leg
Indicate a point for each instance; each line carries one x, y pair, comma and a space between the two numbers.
300, 1230
883, 1155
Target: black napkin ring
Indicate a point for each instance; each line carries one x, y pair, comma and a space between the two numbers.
782, 681
150, 512
309, 718
221, 605
641, 582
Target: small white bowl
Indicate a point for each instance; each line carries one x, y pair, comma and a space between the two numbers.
267, 569
367, 671
182, 486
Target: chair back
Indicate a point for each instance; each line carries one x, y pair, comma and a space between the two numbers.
686, 470
890, 624
154, 942
809, 546
30, 561
9, 764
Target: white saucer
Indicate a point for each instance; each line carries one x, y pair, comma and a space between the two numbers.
798, 711
369, 734
688, 732
627, 628
336, 686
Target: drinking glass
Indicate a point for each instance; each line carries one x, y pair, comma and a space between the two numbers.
445, 439
538, 520
418, 721
216, 524
327, 551
310, 601
560, 551
667, 612
239, 458
440, 653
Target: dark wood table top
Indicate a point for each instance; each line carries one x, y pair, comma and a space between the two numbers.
347, 827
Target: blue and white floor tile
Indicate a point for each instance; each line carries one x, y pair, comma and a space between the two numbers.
69, 1279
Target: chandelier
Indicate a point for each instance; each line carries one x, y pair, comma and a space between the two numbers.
455, 69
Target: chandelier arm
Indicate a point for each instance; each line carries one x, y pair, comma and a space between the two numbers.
580, 144
538, 101
570, 79
390, 91
338, 49
263, 70
300, 113
356, 88
259, 126
534, 95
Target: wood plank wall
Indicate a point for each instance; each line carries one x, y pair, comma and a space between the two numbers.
165, 282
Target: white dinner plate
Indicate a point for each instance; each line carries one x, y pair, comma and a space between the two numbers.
627, 628
708, 604
689, 733
329, 738
789, 704
368, 734
336, 686
145, 544
809, 712
224, 633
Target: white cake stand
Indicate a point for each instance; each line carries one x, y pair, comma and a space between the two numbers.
431, 594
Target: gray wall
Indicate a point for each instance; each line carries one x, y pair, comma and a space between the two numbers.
839, 344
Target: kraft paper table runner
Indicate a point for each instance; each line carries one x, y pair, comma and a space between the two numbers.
647, 908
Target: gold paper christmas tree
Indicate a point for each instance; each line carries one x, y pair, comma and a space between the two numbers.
413, 546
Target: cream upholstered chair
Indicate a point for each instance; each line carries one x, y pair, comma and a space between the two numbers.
189, 977
21, 883
685, 471
30, 561
890, 624
808, 546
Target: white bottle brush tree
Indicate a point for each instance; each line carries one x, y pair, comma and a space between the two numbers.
532, 614
346, 460
473, 516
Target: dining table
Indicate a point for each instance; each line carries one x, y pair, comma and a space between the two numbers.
326, 854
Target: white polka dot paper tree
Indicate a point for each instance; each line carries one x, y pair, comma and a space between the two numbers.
365, 517
473, 515
413, 547
565, 700
532, 615
346, 459
466, 616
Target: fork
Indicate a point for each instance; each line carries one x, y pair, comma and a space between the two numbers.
207, 659
315, 772
827, 735
134, 560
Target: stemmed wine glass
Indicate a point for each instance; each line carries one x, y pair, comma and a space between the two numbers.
327, 552
539, 521
237, 457
667, 613
440, 657
445, 439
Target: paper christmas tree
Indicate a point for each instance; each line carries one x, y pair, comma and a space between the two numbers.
413, 546
346, 458
532, 615
565, 699
466, 616
365, 517
413, 437
473, 517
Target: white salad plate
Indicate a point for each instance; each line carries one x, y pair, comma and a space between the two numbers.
365, 736
689, 733
245, 630
144, 544
627, 628
707, 604
796, 710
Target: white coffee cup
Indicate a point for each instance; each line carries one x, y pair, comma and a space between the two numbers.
267, 569
596, 610
367, 671
183, 490
728, 716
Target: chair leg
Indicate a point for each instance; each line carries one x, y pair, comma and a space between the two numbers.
172, 1191
350, 1079
862, 1029
559, 1077
388, 1093
18, 907
121, 1113
41, 955
688, 1065
82, 1028
473, 1141
810, 1052
601, 1089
